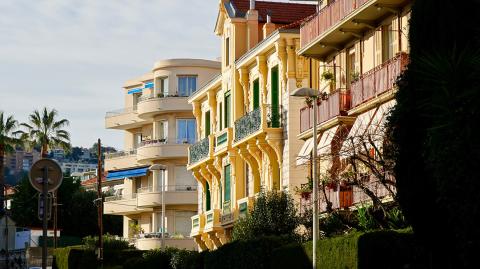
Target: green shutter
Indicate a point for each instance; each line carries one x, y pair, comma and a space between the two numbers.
207, 197
227, 183
228, 101
256, 94
275, 120
207, 123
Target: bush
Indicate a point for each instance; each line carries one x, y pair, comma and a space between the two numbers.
245, 254
372, 250
187, 259
74, 257
274, 214
290, 256
110, 242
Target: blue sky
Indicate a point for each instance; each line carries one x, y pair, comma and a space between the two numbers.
74, 55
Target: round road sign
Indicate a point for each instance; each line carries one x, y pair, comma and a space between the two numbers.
55, 175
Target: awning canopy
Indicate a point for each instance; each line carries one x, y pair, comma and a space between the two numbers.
134, 172
324, 146
304, 155
136, 90
371, 123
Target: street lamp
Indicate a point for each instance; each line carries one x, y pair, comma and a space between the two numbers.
314, 94
161, 167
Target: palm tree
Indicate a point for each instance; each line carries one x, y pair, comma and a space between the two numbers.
45, 131
8, 141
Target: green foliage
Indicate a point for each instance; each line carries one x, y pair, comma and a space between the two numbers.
77, 215
245, 254
366, 220
435, 131
396, 219
273, 214
187, 259
110, 242
290, 256
333, 224
75, 257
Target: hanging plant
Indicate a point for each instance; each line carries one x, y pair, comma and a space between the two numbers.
355, 76
327, 75
309, 101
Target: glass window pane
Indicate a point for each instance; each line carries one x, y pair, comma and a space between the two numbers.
181, 131
182, 86
191, 131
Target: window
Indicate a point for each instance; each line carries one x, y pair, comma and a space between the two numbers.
207, 197
187, 85
227, 51
186, 129
275, 120
388, 42
162, 86
226, 175
137, 140
227, 102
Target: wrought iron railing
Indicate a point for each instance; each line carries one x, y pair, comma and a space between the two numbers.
199, 150
248, 124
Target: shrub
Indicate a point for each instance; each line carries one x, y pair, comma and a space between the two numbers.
273, 214
110, 242
187, 259
245, 254
74, 257
366, 221
290, 256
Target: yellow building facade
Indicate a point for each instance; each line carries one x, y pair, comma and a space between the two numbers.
158, 126
247, 123
361, 47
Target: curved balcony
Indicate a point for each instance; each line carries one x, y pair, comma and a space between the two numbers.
120, 159
160, 149
152, 105
174, 195
156, 243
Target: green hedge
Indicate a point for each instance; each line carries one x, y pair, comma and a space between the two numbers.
74, 257
371, 250
62, 241
81, 257
255, 253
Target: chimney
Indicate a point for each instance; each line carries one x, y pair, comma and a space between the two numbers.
252, 26
268, 27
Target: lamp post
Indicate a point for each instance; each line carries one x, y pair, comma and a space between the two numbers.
162, 168
314, 94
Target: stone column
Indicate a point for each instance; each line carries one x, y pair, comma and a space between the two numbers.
197, 112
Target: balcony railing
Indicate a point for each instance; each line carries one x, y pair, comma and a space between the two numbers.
120, 111
158, 95
248, 124
167, 188
327, 17
153, 142
119, 154
120, 197
337, 104
378, 80
199, 150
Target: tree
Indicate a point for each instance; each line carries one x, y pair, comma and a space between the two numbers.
46, 131
77, 215
274, 213
8, 141
436, 131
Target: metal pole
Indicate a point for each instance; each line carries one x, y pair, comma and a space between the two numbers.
55, 220
100, 202
163, 209
315, 185
4, 189
45, 217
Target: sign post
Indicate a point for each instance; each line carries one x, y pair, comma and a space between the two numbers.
45, 176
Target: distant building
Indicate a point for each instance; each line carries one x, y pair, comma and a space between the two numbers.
83, 176
58, 154
20, 160
77, 167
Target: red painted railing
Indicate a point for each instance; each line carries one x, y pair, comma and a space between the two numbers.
378, 80
326, 18
338, 103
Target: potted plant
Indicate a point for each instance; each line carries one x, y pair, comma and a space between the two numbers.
355, 76
305, 189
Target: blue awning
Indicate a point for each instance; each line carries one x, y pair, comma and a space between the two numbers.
136, 90
119, 174
148, 85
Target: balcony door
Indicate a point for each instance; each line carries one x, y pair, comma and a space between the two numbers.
207, 123
187, 85
256, 94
